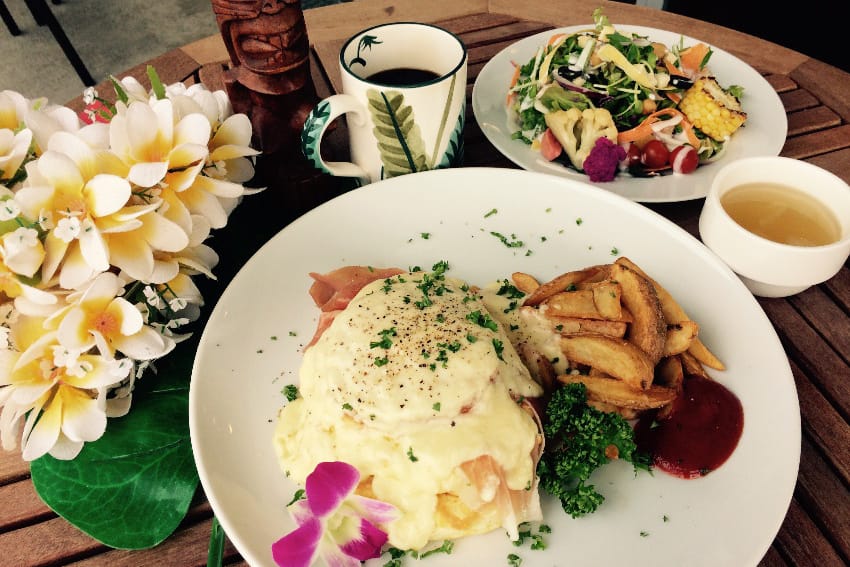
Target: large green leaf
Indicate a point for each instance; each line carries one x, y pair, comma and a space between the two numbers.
131, 488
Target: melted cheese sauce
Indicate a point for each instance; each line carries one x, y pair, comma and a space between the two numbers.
407, 395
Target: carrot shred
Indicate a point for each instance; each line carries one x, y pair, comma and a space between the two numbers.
642, 133
514, 80
555, 38
690, 59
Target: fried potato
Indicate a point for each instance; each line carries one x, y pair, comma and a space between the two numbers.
618, 393
607, 296
526, 283
669, 374
648, 330
570, 325
616, 357
571, 304
626, 413
680, 336
674, 313
562, 283
692, 365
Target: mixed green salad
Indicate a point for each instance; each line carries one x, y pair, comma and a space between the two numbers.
606, 103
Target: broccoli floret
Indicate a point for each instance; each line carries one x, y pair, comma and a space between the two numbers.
579, 440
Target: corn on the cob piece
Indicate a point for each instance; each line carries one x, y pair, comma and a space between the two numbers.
711, 109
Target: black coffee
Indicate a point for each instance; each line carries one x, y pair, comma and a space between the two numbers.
402, 76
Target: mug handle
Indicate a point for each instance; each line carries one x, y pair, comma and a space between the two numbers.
317, 124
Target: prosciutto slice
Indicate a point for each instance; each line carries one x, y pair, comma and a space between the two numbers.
331, 292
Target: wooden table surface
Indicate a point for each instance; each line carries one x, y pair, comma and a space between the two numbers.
814, 326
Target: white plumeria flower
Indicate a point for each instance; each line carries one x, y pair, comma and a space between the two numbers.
158, 148
81, 209
54, 410
22, 251
14, 150
135, 251
28, 299
97, 317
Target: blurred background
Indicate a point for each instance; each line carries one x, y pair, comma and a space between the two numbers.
111, 36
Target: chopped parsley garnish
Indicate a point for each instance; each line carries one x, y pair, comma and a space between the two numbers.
614, 251
290, 391
432, 283
436, 406
385, 341
491, 212
413, 458
513, 242
579, 221
381, 361
499, 347
471, 338
346, 406
514, 560
425, 235
482, 320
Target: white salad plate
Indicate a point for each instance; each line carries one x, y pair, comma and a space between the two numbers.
763, 134
251, 348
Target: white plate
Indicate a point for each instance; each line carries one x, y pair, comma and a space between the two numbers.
251, 347
762, 135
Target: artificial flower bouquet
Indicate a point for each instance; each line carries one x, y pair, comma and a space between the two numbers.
104, 218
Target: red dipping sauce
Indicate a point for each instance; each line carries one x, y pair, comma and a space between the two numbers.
700, 434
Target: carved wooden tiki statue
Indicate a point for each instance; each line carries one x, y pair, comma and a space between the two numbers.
269, 79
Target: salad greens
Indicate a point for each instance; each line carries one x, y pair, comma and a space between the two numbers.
640, 83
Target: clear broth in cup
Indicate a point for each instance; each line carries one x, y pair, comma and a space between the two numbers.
782, 214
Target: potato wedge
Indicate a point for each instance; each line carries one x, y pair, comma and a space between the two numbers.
669, 374
617, 357
562, 283
692, 365
648, 330
674, 313
607, 296
570, 325
526, 283
680, 336
618, 393
571, 304
626, 413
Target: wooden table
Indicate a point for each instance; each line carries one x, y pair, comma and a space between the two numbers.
814, 326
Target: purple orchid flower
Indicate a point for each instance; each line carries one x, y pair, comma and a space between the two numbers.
333, 522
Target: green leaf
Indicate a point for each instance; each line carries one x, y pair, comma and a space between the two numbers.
400, 141
131, 488
156, 85
215, 553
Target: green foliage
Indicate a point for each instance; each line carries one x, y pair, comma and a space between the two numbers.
131, 488
577, 437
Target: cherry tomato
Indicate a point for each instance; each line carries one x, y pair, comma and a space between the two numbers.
550, 147
655, 154
632, 156
684, 159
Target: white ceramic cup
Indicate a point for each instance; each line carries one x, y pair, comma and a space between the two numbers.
768, 268
398, 128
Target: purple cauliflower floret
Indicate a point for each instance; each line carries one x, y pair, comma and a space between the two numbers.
603, 160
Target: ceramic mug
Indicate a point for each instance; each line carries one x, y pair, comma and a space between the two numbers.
404, 97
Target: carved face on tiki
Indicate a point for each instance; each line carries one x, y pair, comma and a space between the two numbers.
267, 37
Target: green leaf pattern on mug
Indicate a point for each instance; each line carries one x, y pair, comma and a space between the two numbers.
312, 131
398, 136
453, 156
